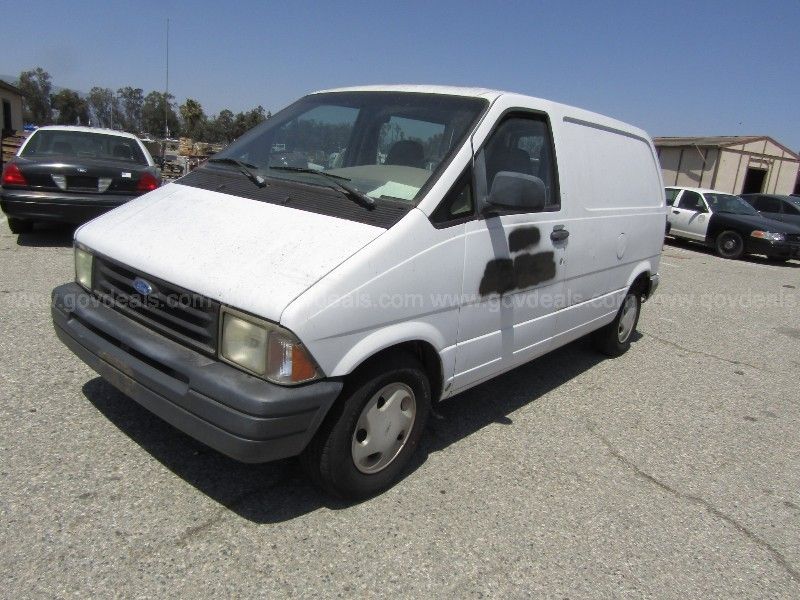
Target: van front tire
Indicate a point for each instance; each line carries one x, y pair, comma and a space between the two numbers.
615, 338
371, 433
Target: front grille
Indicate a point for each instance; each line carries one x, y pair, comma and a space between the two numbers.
179, 314
81, 183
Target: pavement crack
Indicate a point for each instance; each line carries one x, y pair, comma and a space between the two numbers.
702, 353
710, 508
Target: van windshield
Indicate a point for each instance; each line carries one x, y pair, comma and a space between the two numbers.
385, 144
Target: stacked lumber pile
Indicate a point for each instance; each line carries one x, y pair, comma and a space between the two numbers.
188, 147
185, 146
11, 143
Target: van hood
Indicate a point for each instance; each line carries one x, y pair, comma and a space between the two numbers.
254, 256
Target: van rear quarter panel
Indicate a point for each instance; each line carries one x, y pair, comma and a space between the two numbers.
613, 202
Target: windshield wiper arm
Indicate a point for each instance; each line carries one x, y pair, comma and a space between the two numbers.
338, 182
245, 168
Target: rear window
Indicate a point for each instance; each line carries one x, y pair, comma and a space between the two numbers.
83, 144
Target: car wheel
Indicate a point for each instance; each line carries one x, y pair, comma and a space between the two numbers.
615, 338
19, 225
730, 245
372, 431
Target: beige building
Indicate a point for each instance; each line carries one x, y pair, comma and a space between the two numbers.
10, 107
732, 164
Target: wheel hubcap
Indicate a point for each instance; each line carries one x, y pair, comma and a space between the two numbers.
627, 319
729, 244
383, 427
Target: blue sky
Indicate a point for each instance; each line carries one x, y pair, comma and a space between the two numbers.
671, 67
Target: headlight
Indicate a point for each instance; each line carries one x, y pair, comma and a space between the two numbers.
83, 267
769, 235
264, 349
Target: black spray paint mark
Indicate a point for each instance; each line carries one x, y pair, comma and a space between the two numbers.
504, 275
524, 237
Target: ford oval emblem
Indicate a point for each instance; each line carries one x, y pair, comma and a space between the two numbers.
145, 288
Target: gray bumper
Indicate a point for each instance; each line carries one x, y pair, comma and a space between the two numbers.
237, 414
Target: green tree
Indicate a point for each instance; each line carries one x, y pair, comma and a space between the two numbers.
220, 127
36, 86
130, 104
153, 114
72, 109
104, 106
193, 118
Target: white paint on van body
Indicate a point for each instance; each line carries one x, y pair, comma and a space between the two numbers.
350, 290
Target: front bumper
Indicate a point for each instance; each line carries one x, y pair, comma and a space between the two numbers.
61, 207
777, 249
239, 415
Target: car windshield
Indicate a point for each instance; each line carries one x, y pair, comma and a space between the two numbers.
726, 203
83, 144
385, 144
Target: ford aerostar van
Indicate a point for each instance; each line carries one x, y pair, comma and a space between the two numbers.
365, 253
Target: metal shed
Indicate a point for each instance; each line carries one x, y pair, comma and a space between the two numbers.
732, 164
10, 107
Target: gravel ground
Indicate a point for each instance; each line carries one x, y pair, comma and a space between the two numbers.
671, 472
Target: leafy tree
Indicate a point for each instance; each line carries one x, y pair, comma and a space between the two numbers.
72, 109
104, 106
193, 118
220, 127
36, 86
130, 104
245, 121
153, 114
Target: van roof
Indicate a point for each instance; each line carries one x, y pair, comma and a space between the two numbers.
492, 95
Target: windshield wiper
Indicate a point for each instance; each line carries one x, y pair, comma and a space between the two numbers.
245, 168
338, 182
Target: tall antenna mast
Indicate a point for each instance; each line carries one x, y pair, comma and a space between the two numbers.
166, 93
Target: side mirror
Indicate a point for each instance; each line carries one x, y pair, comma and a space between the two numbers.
517, 191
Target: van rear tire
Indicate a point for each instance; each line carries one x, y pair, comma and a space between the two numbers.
615, 338
335, 460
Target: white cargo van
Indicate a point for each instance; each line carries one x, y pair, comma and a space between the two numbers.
361, 255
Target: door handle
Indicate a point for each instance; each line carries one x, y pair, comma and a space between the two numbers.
559, 233
676, 212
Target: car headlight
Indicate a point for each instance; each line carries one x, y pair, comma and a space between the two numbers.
769, 235
83, 267
264, 349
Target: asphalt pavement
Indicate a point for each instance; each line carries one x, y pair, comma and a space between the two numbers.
671, 472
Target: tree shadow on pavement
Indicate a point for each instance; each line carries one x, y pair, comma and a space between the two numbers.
279, 491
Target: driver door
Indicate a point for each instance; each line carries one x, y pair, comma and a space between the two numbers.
514, 262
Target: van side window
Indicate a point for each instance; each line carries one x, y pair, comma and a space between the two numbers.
691, 201
671, 194
523, 144
458, 204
